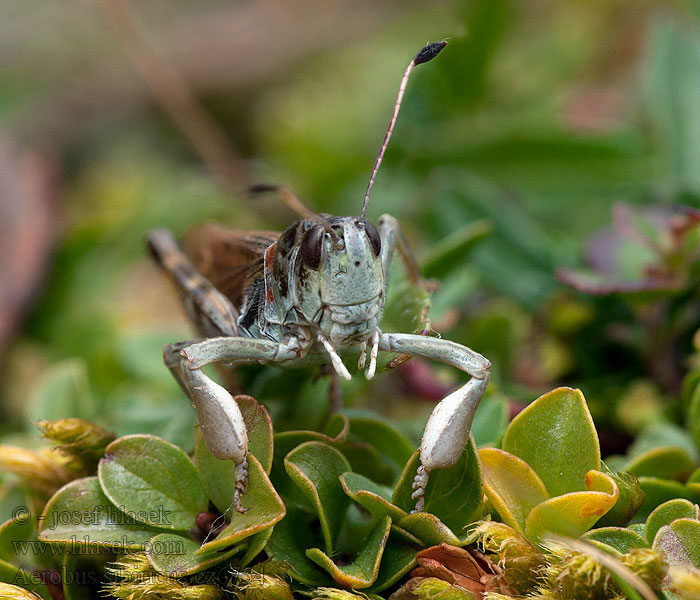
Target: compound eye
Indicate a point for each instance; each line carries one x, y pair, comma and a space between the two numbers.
373, 236
312, 248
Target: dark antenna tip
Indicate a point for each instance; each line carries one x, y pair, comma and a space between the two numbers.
262, 188
426, 54
429, 52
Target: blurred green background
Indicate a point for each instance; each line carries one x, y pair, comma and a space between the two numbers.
535, 121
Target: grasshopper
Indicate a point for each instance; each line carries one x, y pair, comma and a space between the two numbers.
300, 298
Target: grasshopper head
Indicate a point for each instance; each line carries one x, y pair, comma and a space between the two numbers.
339, 277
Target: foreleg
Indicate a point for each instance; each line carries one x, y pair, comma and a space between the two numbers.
220, 420
448, 427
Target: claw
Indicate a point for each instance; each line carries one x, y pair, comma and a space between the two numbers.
363, 356
373, 355
338, 365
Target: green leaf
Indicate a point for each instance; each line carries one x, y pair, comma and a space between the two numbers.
256, 544
288, 543
574, 513
429, 529
694, 416
668, 512
511, 486
21, 556
63, 391
451, 250
621, 539
381, 434
153, 480
176, 556
259, 428
265, 508
316, 469
667, 462
555, 435
453, 494
398, 559
407, 308
627, 505
490, 421
284, 443
81, 515
657, 491
374, 497
680, 542
361, 572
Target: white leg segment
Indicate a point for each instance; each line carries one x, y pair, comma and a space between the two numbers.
447, 430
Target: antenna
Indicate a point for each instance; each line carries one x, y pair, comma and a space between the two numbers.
290, 199
429, 52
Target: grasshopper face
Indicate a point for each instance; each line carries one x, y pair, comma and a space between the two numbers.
339, 280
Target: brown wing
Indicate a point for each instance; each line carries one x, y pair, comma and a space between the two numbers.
229, 258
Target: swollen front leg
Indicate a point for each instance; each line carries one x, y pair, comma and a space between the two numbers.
446, 433
220, 420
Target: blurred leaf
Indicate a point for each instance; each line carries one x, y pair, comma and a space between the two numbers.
657, 491
672, 92
668, 462
62, 392
154, 481
555, 435
447, 254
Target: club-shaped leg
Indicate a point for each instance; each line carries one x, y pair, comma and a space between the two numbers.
447, 430
220, 420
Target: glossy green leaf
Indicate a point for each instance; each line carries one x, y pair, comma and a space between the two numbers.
667, 462
80, 514
290, 539
372, 496
363, 570
316, 469
453, 494
217, 475
621, 539
265, 508
511, 486
176, 556
153, 480
574, 513
555, 435
668, 512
